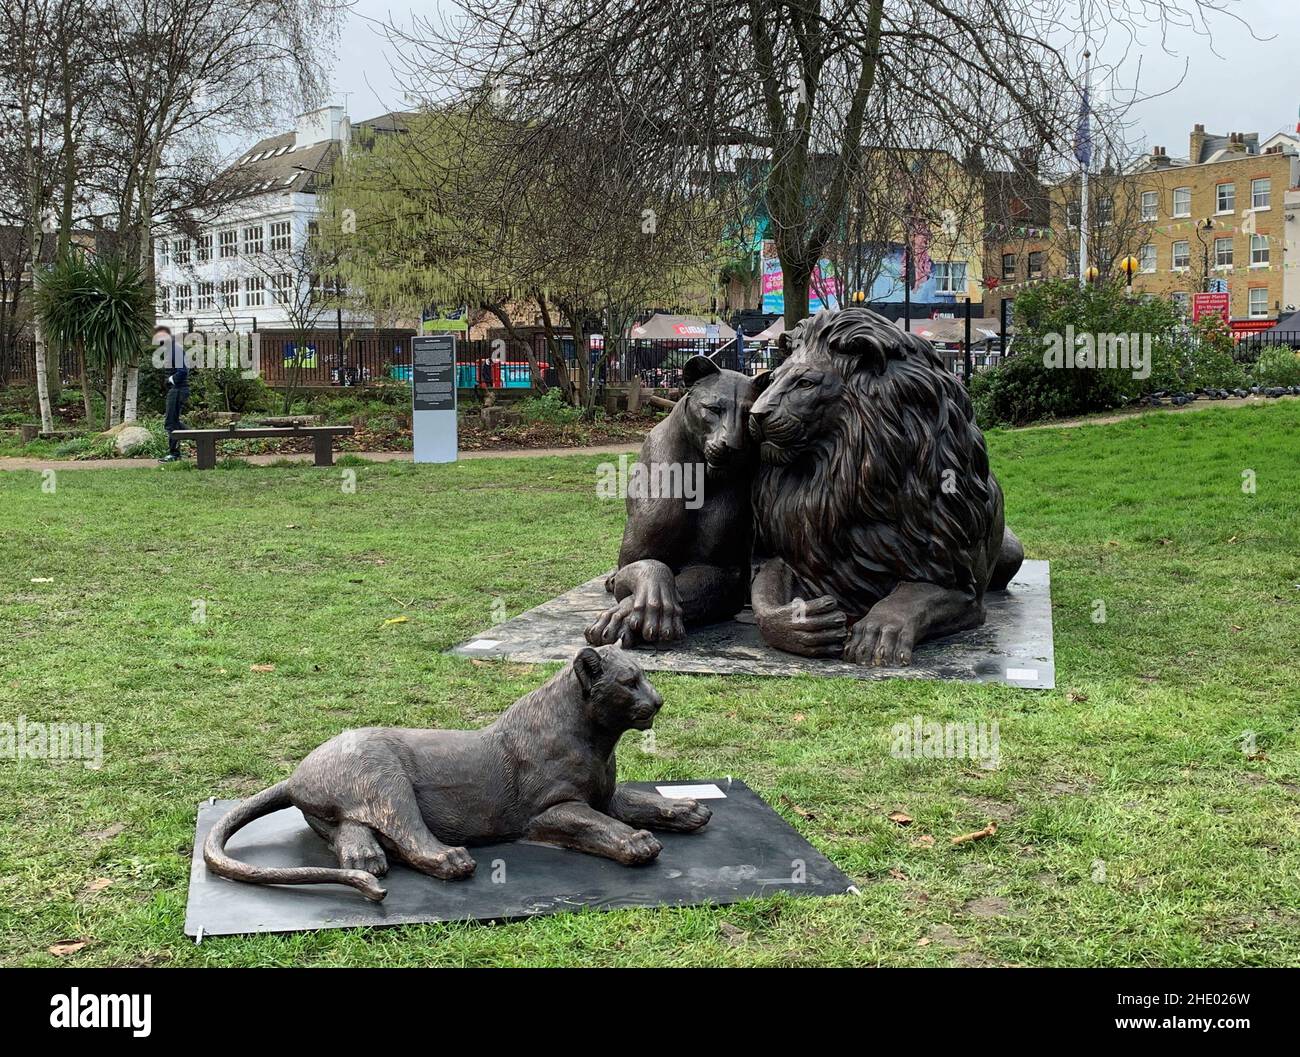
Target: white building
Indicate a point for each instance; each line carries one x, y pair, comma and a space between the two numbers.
249, 267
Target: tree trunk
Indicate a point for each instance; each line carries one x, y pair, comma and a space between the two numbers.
86, 400
132, 393
118, 375
795, 280
43, 384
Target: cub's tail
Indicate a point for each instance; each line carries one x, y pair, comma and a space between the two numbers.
1011, 556
268, 800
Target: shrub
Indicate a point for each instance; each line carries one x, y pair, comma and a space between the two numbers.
550, 407
1277, 366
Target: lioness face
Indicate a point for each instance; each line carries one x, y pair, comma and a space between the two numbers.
717, 413
796, 407
618, 694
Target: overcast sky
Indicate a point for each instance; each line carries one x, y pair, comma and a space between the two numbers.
1230, 81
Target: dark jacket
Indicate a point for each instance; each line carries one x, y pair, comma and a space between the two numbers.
175, 364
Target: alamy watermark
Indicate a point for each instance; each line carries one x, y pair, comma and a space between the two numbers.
32, 740
923, 740
1128, 352
656, 480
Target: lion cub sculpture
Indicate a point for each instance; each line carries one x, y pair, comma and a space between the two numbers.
544, 771
878, 521
683, 562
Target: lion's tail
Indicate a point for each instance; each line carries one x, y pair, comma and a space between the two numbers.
263, 803
1010, 557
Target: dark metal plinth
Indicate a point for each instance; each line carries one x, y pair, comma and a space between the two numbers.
746, 850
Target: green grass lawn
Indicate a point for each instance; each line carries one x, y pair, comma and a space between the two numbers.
1132, 827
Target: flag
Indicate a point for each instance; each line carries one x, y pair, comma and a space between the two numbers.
1083, 133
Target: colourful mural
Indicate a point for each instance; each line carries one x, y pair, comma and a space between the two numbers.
825, 290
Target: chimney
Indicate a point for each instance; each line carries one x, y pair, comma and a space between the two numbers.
1159, 158
1197, 144
318, 126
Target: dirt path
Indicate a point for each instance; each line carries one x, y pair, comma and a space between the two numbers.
20, 463
23, 463
1138, 412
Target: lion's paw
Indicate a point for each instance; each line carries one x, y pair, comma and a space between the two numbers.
638, 847
685, 815
881, 640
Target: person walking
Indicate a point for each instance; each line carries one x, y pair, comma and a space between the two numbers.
171, 358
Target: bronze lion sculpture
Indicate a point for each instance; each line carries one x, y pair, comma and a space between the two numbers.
878, 523
544, 771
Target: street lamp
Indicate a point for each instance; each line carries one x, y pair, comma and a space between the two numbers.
1128, 266
858, 297
1090, 273
1203, 226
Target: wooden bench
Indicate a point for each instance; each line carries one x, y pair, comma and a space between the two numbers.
205, 440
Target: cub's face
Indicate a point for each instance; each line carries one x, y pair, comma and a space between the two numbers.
619, 696
716, 413
797, 407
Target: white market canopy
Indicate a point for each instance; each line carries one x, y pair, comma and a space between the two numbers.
770, 333
663, 327
951, 331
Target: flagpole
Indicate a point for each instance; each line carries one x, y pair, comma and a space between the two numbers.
1083, 174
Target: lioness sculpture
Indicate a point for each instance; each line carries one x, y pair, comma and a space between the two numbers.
878, 522
680, 564
543, 771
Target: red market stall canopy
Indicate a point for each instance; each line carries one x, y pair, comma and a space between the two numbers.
662, 327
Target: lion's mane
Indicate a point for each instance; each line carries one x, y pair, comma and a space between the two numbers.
869, 504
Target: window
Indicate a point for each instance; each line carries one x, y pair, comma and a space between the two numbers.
1150, 205
1036, 264
313, 229
1072, 214
1261, 194
1258, 301
1072, 263
183, 297
1223, 253
1008, 266
1182, 255
1225, 198
164, 301
230, 293
204, 248
1182, 201
228, 243
205, 297
163, 258
1183, 300
1105, 211
281, 237
181, 251
281, 287
253, 240
1147, 258
1259, 256
253, 293
950, 277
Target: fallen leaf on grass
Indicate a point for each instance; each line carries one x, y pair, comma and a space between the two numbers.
65, 947
97, 885
897, 874
923, 841
1075, 695
292, 526
106, 834
924, 941
803, 813
979, 834
396, 620
732, 935
42, 579
262, 668
1258, 757
900, 818
798, 717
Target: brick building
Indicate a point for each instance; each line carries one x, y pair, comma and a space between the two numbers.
1218, 218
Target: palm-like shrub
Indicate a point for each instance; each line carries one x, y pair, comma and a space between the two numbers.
102, 306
